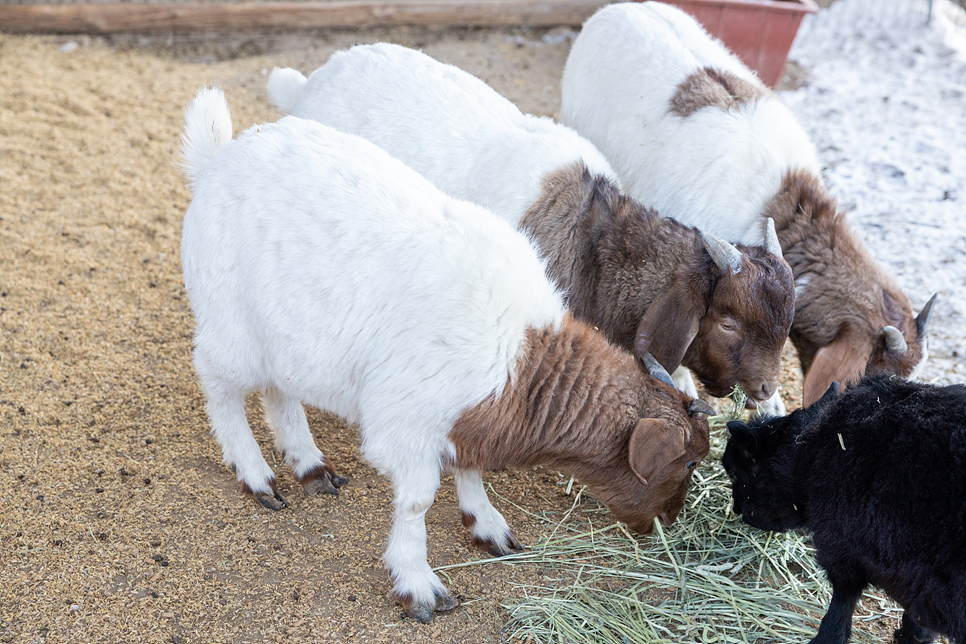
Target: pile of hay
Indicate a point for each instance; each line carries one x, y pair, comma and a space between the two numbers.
707, 578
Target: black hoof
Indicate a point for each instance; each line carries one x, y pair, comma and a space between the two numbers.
917, 635
319, 480
272, 501
339, 481
319, 486
513, 543
446, 602
420, 613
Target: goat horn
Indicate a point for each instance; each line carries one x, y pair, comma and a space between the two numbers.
725, 256
772, 244
922, 320
895, 343
701, 407
656, 369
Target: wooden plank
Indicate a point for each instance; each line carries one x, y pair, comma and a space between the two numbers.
112, 18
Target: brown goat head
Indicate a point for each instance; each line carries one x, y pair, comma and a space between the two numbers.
662, 455
650, 284
743, 330
660, 289
851, 317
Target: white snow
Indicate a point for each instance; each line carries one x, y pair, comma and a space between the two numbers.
885, 104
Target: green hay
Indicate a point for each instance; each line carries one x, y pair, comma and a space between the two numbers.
707, 578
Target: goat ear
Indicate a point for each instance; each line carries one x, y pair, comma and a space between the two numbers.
843, 360
654, 443
668, 326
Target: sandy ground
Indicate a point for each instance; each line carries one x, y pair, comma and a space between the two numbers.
118, 522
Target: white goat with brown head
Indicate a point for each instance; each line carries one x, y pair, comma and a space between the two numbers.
694, 133
651, 284
323, 271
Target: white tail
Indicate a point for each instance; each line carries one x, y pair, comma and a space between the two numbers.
207, 126
284, 87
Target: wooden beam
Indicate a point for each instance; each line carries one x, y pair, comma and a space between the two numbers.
112, 18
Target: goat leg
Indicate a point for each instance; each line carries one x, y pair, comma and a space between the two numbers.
912, 633
836, 626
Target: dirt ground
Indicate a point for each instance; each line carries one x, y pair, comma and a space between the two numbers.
118, 522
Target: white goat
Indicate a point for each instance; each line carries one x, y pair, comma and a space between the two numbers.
647, 283
446, 124
622, 89
322, 270
694, 133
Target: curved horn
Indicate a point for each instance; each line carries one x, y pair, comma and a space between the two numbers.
771, 238
895, 343
725, 256
922, 320
701, 407
656, 370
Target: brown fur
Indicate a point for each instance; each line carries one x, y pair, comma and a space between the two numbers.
649, 285
579, 404
845, 298
709, 87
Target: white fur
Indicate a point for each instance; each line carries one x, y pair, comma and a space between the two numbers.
323, 271
713, 169
446, 124
207, 128
684, 381
284, 87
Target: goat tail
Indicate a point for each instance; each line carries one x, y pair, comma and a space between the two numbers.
207, 127
284, 87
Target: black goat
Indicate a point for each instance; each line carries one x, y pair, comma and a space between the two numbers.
878, 476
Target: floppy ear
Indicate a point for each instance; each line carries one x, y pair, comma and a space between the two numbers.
668, 326
654, 443
843, 360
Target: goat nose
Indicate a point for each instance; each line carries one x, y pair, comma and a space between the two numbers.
664, 519
767, 389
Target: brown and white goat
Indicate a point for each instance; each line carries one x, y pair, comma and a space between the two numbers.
648, 284
694, 133
322, 271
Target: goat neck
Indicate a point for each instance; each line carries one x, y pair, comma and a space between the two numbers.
601, 245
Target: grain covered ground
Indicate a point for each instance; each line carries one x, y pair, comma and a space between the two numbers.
118, 522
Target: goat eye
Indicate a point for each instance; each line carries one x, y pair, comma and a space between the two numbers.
692, 465
728, 325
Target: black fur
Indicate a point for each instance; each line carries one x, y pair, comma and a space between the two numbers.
888, 510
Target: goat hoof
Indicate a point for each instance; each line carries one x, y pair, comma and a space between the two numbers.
319, 480
917, 635
319, 486
271, 500
445, 602
420, 613
339, 481
498, 550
